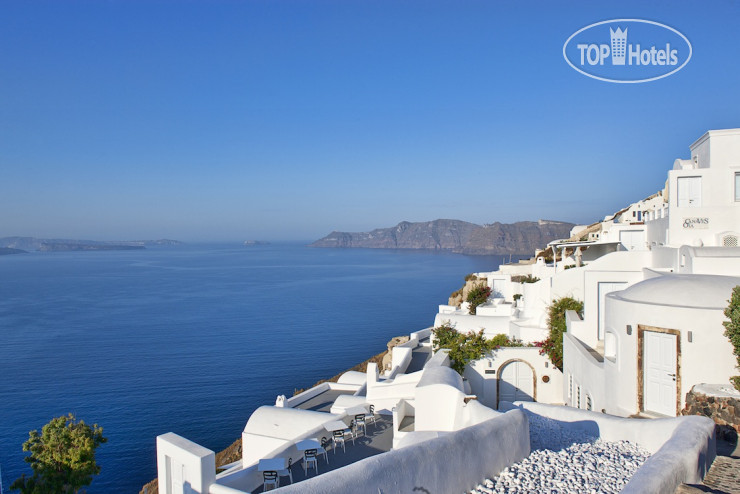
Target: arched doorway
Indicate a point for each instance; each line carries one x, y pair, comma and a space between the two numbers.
516, 381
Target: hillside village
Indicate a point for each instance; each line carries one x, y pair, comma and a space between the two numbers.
653, 281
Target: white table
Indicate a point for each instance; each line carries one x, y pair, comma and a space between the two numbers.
352, 411
271, 464
305, 444
335, 425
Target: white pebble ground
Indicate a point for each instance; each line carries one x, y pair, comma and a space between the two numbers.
566, 460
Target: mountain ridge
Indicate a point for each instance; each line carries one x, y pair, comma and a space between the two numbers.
63, 244
458, 236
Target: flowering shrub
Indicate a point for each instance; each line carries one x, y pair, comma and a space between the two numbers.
553, 345
478, 295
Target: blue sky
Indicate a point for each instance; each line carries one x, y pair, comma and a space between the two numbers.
284, 120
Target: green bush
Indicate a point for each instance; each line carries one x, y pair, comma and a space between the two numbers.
732, 329
465, 348
470, 277
517, 296
502, 340
553, 345
478, 295
525, 279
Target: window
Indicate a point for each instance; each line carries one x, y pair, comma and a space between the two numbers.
570, 385
729, 241
689, 192
578, 397
589, 404
737, 186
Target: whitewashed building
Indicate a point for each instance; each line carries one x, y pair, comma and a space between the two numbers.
654, 275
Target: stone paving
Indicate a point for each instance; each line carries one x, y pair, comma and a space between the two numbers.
724, 475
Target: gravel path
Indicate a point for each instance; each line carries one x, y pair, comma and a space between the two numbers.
565, 460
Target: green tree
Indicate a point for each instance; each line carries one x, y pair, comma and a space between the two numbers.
732, 328
62, 457
478, 295
553, 345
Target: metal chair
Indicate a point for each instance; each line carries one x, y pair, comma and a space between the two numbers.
323, 448
287, 472
360, 422
370, 417
338, 437
309, 458
270, 479
351, 431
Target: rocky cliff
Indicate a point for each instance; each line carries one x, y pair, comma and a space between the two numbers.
438, 234
456, 236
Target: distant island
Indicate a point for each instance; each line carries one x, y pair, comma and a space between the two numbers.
252, 243
25, 244
63, 247
7, 251
456, 236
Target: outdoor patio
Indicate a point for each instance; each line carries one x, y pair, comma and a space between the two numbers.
379, 439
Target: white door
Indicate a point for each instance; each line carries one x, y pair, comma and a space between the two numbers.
632, 239
516, 382
659, 372
604, 288
497, 291
689, 192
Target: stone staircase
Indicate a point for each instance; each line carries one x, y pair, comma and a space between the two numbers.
724, 475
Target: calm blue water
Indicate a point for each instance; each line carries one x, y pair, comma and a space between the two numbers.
192, 339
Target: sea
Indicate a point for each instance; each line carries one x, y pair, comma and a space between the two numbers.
192, 339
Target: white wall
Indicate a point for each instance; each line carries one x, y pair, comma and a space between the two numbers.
483, 374
464, 323
438, 399
536, 298
708, 345
586, 373
184, 466
521, 330
455, 462
385, 394
718, 154
657, 231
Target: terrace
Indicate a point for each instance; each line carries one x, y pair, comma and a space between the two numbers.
379, 439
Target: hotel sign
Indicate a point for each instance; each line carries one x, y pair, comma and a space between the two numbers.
627, 50
696, 223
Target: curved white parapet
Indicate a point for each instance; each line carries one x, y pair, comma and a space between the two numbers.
354, 378
454, 462
272, 428
683, 448
343, 402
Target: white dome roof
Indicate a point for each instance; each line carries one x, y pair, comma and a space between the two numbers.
699, 291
